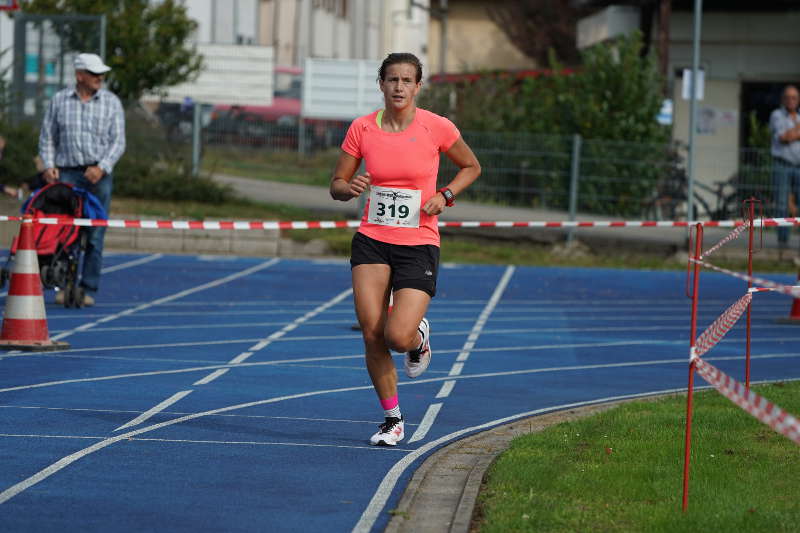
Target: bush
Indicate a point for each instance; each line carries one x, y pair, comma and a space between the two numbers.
22, 145
611, 100
151, 167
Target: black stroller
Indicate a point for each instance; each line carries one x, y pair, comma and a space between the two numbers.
60, 248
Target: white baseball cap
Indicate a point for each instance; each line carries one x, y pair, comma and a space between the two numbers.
92, 63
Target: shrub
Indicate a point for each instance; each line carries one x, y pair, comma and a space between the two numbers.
611, 100
153, 167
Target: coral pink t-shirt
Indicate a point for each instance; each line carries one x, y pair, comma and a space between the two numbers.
404, 162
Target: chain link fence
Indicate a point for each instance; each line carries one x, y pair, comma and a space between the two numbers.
554, 172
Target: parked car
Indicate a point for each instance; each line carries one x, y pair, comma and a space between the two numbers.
178, 119
278, 125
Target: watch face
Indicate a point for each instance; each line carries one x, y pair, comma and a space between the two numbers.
448, 196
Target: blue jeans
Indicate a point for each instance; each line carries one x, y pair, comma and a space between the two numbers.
93, 260
785, 181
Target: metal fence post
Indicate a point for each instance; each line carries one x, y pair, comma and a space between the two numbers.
302, 149
573, 182
197, 110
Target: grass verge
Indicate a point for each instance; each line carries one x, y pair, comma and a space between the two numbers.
621, 470
288, 167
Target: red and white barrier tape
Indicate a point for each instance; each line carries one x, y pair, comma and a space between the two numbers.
765, 289
722, 325
791, 290
201, 224
260, 225
763, 410
728, 238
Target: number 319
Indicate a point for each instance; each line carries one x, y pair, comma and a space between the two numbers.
402, 211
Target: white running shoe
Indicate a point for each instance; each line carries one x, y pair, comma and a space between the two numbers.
389, 433
417, 361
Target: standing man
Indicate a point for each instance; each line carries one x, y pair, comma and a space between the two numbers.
784, 125
82, 138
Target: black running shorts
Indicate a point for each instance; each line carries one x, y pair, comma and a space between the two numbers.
413, 267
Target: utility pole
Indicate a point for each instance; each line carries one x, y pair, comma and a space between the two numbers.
698, 13
440, 14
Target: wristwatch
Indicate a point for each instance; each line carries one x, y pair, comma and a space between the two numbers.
449, 197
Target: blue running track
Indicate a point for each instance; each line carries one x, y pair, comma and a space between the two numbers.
229, 394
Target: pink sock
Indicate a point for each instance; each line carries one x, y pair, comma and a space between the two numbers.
391, 407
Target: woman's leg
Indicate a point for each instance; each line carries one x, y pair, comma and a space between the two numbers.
371, 286
371, 296
410, 306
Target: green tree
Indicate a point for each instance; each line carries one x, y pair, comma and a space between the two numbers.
611, 100
148, 43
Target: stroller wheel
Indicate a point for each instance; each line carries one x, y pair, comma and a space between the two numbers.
68, 290
77, 297
47, 276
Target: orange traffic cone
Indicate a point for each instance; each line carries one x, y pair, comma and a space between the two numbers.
794, 314
24, 320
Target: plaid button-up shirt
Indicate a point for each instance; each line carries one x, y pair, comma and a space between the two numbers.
76, 133
779, 123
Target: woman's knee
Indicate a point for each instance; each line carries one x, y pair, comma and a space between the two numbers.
400, 340
374, 338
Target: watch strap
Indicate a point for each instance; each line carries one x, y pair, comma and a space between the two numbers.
449, 197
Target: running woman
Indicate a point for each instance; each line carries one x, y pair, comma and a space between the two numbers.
396, 248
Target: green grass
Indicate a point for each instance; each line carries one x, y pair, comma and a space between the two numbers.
288, 167
233, 210
621, 470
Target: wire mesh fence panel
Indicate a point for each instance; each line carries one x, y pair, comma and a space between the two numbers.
517, 169
627, 179
613, 178
238, 144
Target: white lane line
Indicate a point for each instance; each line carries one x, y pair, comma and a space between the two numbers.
121, 266
239, 359
447, 388
427, 422
211, 377
458, 366
356, 337
227, 442
378, 500
69, 459
175, 296
204, 368
182, 413
484, 316
228, 325
242, 357
133, 263
456, 369
154, 410
731, 338
429, 380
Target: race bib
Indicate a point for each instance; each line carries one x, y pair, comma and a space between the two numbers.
394, 207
